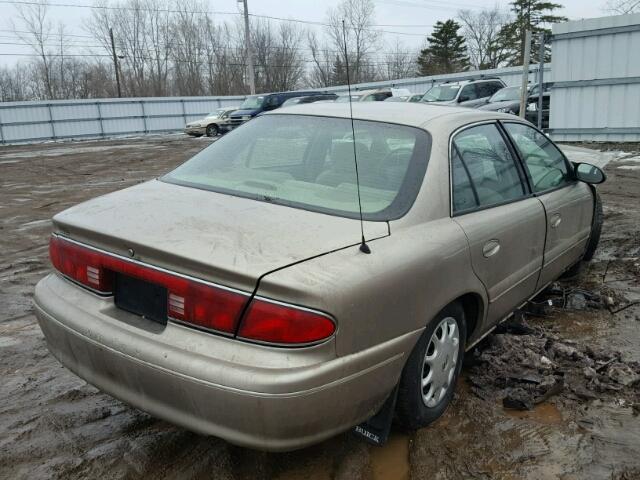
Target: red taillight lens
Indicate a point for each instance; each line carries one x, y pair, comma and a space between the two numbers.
282, 324
188, 300
81, 264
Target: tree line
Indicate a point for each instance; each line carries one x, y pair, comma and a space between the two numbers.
171, 48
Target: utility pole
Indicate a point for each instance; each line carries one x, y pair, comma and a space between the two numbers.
525, 73
247, 40
115, 61
540, 77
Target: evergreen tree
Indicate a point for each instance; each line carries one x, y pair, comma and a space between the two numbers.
529, 15
446, 52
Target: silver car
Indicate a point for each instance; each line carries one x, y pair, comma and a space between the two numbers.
211, 125
234, 295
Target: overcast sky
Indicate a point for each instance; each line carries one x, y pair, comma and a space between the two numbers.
398, 13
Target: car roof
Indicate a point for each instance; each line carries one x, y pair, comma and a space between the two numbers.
403, 113
472, 80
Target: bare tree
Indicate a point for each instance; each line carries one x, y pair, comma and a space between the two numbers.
623, 6
279, 64
189, 51
399, 63
480, 30
14, 83
32, 19
361, 38
320, 72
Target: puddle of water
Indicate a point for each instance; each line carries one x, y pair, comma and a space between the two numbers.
544, 413
391, 462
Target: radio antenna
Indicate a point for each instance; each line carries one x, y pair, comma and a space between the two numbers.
364, 248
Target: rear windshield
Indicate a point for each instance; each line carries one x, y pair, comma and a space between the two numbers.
308, 162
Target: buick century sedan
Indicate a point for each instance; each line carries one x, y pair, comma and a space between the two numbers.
232, 296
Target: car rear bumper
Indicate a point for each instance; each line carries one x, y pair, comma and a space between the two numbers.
269, 399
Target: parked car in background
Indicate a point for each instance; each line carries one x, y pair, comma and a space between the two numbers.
413, 98
466, 93
210, 125
507, 100
321, 97
373, 95
532, 109
231, 297
256, 104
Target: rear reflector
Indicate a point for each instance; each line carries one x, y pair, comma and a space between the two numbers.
188, 300
271, 322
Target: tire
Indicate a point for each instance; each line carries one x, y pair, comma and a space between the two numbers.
596, 228
414, 409
212, 130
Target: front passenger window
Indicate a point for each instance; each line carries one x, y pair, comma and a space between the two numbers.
486, 159
545, 163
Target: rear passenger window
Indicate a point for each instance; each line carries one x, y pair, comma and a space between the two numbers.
486, 89
545, 163
484, 157
468, 93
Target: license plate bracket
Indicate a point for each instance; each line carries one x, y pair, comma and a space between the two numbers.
141, 298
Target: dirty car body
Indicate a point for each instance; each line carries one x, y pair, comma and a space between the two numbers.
231, 296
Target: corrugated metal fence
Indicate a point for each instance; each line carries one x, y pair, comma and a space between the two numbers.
71, 119
54, 120
596, 75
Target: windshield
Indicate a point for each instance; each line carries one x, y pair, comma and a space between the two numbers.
506, 94
307, 162
441, 93
255, 101
217, 113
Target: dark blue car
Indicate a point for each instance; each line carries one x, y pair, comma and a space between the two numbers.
256, 104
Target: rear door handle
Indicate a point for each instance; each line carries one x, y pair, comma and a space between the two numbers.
556, 219
490, 248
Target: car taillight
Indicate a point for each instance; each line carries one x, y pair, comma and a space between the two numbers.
80, 264
188, 300
276, 323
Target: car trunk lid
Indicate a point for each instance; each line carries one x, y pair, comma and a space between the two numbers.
216, 237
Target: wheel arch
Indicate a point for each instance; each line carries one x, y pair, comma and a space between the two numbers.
473, 305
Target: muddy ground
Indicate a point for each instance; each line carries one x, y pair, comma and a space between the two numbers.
54, 425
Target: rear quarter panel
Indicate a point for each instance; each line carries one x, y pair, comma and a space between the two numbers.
398, 288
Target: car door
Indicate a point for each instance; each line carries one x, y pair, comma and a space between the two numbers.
503, 222
568, 203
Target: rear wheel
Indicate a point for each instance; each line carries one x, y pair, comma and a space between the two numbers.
212, 130
429, 377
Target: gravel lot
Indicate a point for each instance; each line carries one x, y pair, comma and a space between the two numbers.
54, 425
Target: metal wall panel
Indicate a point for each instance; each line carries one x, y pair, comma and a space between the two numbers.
596, 75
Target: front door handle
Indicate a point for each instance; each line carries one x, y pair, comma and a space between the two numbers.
556, 218
490, 248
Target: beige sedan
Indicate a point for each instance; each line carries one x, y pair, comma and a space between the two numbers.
233, 296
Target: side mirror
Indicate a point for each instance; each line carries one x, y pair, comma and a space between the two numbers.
587, 173
463, 98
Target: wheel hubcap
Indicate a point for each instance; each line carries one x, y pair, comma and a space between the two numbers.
440, 362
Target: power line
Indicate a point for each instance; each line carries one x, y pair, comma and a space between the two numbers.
168, 10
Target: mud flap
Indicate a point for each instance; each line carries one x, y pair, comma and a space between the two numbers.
376, 429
